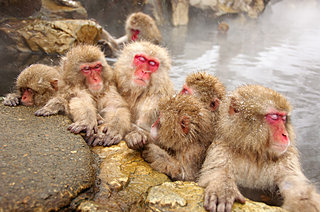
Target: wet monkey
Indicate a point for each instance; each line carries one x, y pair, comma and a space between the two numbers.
35, 85
181, 137
86, 93
141, 75
141, 27
255, 149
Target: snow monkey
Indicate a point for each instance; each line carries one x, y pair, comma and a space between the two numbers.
181, 137
255, 149
35, 85
86, 92
142, 78
141, 27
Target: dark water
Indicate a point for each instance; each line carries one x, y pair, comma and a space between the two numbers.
281, 51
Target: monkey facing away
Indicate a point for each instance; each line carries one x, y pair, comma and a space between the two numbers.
35, 85
181, 137
86, 93
255, 149
142, 78
141, 27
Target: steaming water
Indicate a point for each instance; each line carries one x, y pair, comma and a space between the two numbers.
280, 51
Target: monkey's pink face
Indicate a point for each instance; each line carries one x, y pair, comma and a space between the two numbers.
27, 97
145, 66
134, 34
277, 123
92, 72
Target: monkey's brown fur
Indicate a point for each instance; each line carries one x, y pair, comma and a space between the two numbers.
175, 152
146, 25
142, 100
242, 154
38, 77
84, 105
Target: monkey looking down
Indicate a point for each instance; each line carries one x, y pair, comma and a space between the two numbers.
181, 136
35, 85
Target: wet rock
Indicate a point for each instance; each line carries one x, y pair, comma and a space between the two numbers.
63, 9
125, 179
188, 196
42, 165
253, 8
180, 12
49, 37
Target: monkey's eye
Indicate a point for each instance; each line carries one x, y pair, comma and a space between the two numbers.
152, 63
274, 116
142, 59
98, 66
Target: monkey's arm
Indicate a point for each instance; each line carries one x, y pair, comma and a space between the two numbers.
161, 161
12, 99
53, 106
83, 113
117, 118
298, 193
218, 180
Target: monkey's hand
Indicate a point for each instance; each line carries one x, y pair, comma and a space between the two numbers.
12, 100
221, 196
89, 128
136, 139
111, 137
44, 111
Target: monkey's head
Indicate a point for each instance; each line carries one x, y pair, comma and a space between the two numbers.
206, 87
259, 119
183, 120
37, 84
140, 26
85, 66
143, 66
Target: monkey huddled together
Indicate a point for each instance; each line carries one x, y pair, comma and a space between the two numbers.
243, 139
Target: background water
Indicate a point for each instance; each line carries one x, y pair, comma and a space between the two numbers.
281, 50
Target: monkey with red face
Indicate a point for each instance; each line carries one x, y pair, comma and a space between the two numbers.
255, 149
141, 74
35, 85
86, 93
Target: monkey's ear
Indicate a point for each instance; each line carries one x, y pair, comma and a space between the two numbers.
233, 107
214, 104
185, 124
54, 84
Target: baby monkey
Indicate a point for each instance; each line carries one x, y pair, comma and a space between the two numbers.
181, 137
35, 85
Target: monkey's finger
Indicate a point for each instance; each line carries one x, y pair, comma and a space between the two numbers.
239, 198
105, 129
96, 141
229, 206
210, 202
221, 206
89, 140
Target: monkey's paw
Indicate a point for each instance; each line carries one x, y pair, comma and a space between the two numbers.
136, 140
11, 101
221, 198
77, 127
111, 137
44, 112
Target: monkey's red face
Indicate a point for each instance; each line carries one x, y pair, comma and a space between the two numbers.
27, 97
279, 133
92, 72
145, 66
134, 34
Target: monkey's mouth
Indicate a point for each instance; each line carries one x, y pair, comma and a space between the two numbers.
96, 87
139, 81
27, 104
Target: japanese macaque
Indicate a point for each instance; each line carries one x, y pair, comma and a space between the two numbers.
142, 78
256, 149
181, 137
35, 85
223, 27
141, 27
86, 92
